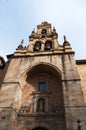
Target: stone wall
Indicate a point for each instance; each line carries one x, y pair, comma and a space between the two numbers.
82, 72
14, 85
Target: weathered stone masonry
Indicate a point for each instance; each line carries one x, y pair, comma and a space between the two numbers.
42, 85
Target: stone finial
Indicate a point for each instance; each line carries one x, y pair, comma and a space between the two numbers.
33, 31
22, 42
54, 29
65, 39
54, 32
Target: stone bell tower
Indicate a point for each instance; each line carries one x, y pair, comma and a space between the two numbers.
41, 89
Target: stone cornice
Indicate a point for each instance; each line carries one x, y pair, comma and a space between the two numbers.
82, 61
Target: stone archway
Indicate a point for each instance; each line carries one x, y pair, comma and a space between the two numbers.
40, 128
43, 97
45, 80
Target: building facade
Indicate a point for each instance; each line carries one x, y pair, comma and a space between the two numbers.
43, 87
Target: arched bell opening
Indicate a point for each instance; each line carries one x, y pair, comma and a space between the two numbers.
37, 46
44, 31
48, 45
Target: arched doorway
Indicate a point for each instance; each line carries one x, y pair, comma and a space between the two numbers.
40, 128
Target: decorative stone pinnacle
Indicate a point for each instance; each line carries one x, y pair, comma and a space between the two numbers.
65, 39
33, 31
22, 42
54, 29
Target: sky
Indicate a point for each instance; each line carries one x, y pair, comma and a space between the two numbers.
19, 17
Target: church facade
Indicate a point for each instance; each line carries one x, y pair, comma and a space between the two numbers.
42, 86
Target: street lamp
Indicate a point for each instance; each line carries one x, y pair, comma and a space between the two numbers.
79, 124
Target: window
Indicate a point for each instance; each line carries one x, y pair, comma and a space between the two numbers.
42, 86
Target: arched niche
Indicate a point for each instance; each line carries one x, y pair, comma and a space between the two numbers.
43, 66
48, 45
44, 31
41, 105
52, 94
37, 46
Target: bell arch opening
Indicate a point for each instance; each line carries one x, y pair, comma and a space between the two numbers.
37, 46
48, 45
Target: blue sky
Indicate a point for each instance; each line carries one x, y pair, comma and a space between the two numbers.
19, 17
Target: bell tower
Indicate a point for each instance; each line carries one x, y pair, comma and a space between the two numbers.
42, 87
44, 39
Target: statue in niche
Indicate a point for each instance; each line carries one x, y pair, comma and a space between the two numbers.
41, 105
